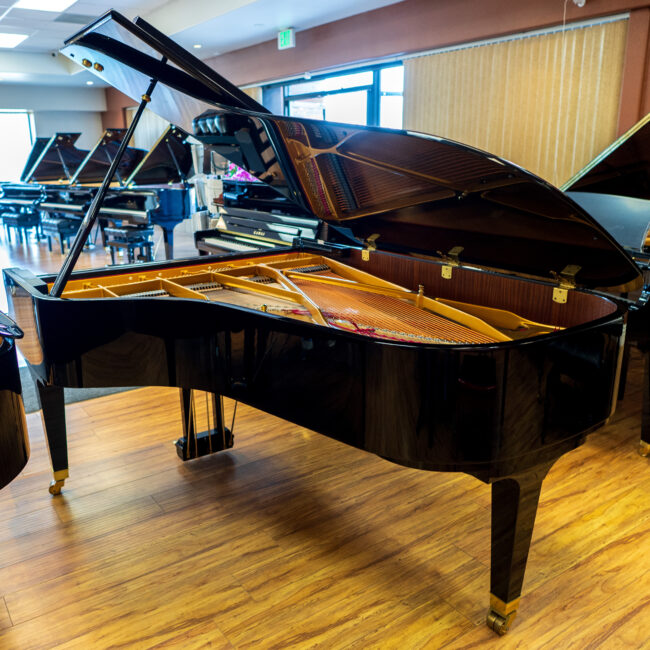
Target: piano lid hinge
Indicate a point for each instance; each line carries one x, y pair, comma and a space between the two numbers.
370, 246
567, 281
452, 258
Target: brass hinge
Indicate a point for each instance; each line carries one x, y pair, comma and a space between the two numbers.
370, 246
451, 259
567, 281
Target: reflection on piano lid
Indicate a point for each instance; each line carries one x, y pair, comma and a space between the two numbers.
615, 189
34, 154
622, 169
95, 165
58, 160
168, 161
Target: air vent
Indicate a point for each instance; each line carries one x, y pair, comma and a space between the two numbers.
76, 19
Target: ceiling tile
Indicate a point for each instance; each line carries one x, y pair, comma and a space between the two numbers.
29, 15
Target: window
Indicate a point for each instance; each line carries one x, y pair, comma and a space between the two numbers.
372, 96
17, 137
391, 96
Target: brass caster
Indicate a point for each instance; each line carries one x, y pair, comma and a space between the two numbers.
55, 486
498, 623
644, 449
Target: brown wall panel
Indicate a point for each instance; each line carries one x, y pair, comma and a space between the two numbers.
114, 116
634, 87
405, 27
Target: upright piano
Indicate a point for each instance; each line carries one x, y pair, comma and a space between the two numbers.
465, 331
615, 189
14, 443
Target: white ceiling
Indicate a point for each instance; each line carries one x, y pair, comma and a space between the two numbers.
217, 25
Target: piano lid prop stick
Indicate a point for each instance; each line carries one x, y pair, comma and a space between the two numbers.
91, 216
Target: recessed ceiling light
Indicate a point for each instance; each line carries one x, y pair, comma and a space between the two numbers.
197, 46
89, 83
11, 40
44, 5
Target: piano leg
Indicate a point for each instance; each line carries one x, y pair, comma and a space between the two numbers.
193, 444
53, 409
168, 241
514, 506
644, 444
624, 368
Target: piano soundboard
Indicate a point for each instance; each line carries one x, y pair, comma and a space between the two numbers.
321, 290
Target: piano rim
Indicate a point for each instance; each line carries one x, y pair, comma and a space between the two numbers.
619, 312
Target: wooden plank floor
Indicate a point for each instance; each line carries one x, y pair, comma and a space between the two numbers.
294, 540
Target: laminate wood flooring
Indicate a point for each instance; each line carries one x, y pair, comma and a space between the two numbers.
294, 540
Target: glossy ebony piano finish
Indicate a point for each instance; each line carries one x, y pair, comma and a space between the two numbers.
65, 203
443, 221
615, 189
156, 192
51, 160
14, 443
150, 187
19, 207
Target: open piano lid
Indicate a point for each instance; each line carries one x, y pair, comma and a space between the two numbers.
34, 154
168, 161
58, 160
405, 192
99, 158
615, 187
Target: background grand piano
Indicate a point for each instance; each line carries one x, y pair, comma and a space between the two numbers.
615, 189
150, 190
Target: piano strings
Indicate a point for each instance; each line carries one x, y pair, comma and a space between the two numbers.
318, 289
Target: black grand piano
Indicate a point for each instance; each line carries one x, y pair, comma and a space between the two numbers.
615, 189
50, 166
156, 192
14, 443
466, 331
67, 198
22, 213
150, 187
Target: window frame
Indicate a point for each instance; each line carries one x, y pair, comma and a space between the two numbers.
373, 90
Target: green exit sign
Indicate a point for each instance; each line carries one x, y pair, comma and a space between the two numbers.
286, 39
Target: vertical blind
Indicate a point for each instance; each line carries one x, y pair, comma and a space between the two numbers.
255, 92
547, 102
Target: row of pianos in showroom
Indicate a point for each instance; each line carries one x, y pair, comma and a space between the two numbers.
59, 182
412, 297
